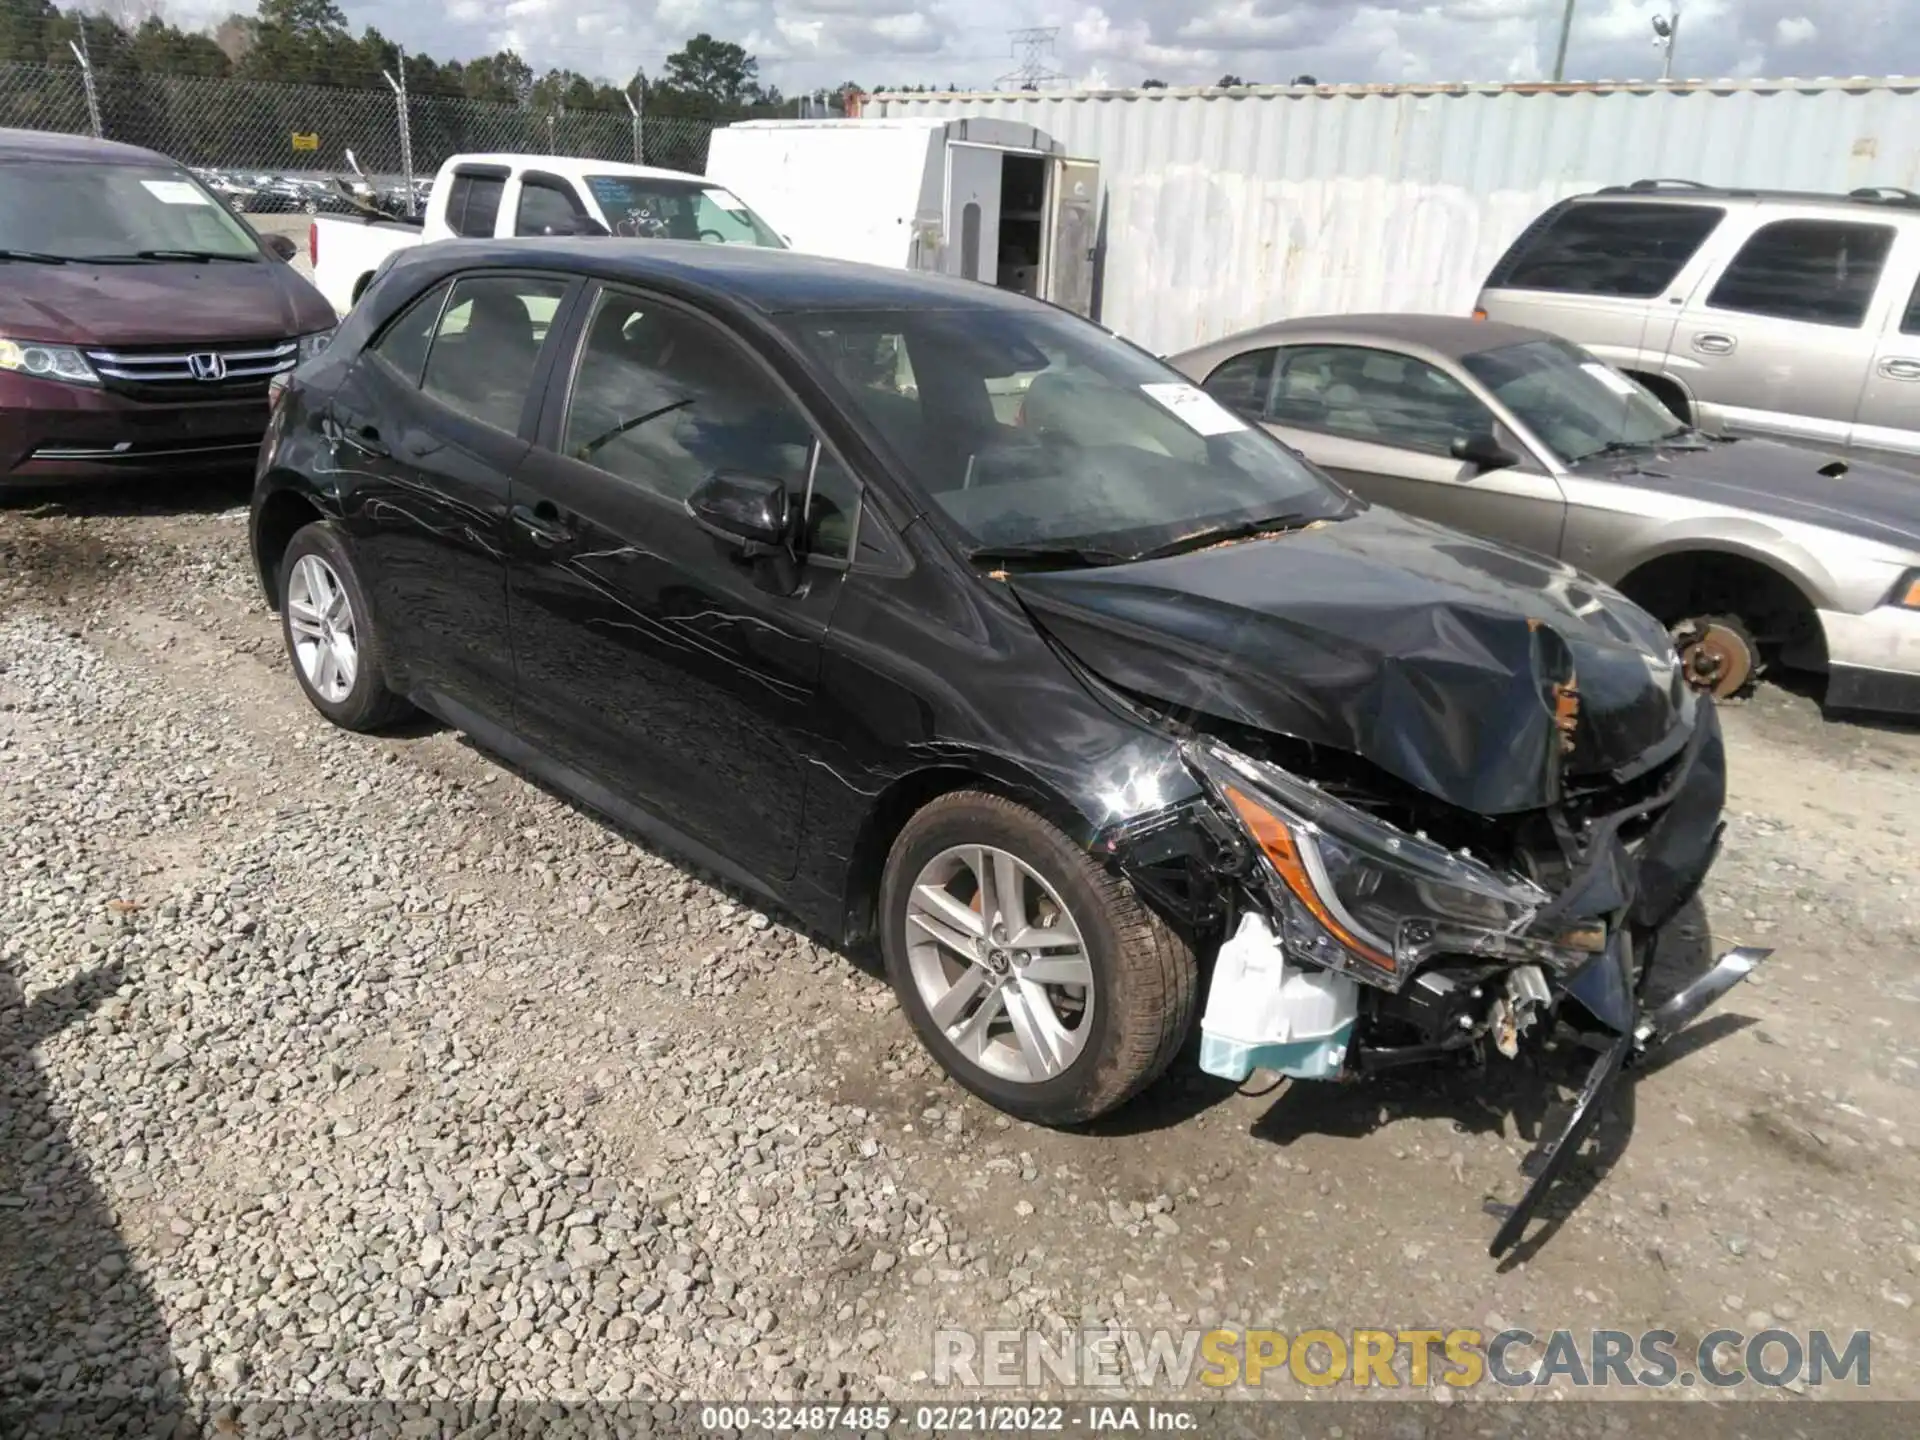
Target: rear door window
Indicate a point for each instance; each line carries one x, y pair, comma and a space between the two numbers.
545, 208
1910, 320
403, 344
473, 203
486, 345
1820, 271
1633, 250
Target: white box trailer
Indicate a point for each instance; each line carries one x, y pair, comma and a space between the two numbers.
989, 200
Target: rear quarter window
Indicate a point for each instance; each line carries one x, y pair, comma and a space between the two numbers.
1622, 248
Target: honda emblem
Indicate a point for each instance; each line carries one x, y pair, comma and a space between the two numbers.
207, 366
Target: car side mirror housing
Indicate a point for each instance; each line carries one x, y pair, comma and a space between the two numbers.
1483, 452
282, 246
752, 512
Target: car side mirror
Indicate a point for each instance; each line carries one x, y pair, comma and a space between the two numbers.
282, 246
750, 511
1483, 452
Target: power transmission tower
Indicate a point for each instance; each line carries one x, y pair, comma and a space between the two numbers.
1033, 48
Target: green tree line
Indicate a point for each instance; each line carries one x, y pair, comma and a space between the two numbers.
308, 42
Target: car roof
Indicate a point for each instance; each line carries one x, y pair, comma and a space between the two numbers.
1452, 336
572, 167
1886, 197
75, 149
770, 280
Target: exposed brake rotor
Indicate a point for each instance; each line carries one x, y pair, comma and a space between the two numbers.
1717, 655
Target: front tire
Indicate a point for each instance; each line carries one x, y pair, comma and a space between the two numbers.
330, 633
1037, 979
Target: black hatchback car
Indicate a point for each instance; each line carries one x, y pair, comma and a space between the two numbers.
947, 620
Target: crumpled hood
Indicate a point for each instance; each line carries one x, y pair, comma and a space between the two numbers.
81, 304
1874, 502
1433, 654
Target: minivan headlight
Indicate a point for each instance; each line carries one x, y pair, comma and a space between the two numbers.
46, 362
1356, 889
314, 345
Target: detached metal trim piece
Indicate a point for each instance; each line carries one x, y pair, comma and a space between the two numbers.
1586, 1111
1674, 1016
1662, 1025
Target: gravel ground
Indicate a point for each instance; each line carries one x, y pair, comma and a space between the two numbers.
338, 1067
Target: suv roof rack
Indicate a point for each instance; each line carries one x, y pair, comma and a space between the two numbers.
1884, 195
1864, 195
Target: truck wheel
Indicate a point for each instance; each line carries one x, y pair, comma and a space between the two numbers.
1037, 979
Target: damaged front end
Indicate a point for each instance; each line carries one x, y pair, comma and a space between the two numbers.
1368, 927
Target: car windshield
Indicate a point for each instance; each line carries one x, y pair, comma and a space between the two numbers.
657, 209
1575, 404
1035, 431
80, 212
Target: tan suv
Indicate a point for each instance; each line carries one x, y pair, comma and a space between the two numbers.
1747, 311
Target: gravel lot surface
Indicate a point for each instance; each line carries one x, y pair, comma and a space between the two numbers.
347, 1067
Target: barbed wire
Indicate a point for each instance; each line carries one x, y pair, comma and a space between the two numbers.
229, 124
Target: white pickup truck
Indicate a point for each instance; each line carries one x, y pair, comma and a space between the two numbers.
500, 195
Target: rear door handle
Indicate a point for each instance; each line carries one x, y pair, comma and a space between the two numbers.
1711, 344
1900, 369
542, 524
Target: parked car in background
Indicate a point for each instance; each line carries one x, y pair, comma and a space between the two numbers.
519, 195
1745, 548
1790, 315
737, 547
140, 319
234, 193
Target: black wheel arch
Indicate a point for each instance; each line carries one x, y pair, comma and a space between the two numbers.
283, 503
905, 796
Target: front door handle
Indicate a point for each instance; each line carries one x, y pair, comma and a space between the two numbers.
542, 524
1900, 369
1711, 344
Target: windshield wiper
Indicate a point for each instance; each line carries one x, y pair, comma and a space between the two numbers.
34, 257
1219, 534
1680, 440
1058, 554
177, 255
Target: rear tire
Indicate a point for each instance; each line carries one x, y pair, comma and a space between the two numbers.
1100, 1042
330, 633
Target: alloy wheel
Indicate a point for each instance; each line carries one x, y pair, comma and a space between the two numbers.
320, 618
999, 963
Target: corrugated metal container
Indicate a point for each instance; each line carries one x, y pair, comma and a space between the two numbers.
1227, 209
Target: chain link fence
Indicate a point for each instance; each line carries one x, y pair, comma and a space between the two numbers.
262, 126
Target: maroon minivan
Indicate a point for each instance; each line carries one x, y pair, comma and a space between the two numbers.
141, 321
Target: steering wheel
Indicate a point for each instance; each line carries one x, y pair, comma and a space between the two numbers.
712, 237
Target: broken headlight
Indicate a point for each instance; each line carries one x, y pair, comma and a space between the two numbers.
1356, 892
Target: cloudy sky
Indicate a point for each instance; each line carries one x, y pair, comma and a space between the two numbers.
807, 43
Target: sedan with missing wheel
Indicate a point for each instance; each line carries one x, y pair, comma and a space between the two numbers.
961, 629
1749, 550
